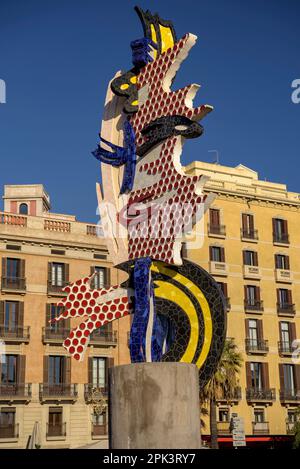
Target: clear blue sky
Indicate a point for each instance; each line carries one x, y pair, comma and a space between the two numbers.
57, 57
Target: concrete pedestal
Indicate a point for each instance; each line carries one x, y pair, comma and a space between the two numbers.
154, 406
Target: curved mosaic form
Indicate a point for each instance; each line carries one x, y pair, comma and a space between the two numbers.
179, 311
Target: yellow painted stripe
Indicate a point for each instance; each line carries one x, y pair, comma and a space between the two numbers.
170, 292
160, 267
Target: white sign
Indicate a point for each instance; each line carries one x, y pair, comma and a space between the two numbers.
238, 431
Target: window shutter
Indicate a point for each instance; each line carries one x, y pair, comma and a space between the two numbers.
107, 277
289, 297
292, 331
251, 222
46, 370
222, 254
4, 264
274, 226
285, 227
50, 273
22, 268
280, 333
244, 258
90, 370
92, 269
66, 273
278, 295
67, 370
2, 306
48, 314
21, 369
260, 331
281, 376
255, 258
287, 262
246, 293
276, 259
247, 328
211, 253
20, 314
297, 377
225, 290
265, 375
248, 375
109, 362
244, 222
257, 293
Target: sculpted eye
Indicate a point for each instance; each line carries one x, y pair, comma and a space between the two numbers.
181, 127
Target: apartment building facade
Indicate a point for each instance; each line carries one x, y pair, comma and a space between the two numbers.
41, 252
252, 248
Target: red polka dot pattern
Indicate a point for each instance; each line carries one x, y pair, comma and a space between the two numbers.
98, 314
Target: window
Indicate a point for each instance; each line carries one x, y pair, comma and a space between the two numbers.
13, 268
224, 289
99, 372
256, 375
54, 312
13, 273
248, 226
56, 370
282, 262
280, 231
252, 296
259, 415
224, 415
284, 297
7, 423
250, 258
253, 332
9, 369
214, 217
57, 274
217, 254
55, 422
99, 280
11, 316
23, 209
285, 332
288, 377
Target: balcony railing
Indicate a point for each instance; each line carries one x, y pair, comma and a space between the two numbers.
13, 283
286, 348
249, 234
223, 428
55, 335
58, 391
104, 337
286, 309
253, 305
256, 395
9, 431
94, 392
57, 225
282, 238
15, 334
260, 428
15, 391
10, 219
99, 430
56, 430
256, 346
291, 395
219, 230
57, 289
234, 396
284, 275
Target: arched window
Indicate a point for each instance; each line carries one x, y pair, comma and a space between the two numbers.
23, 209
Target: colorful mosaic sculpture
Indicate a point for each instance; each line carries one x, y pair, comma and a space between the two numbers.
179, 310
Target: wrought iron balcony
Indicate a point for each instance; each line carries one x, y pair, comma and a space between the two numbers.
94, 392
286, 348
58, 391
256, 346
98, 430
260, 428
259, 395
9, 431
290, 395
249, 234
15, 334
286, 309
101, 336
55, 335
17, 284
281, 238
224, 428
54, 289
234, 396
219, 230
253, 305
56, 430
15, 391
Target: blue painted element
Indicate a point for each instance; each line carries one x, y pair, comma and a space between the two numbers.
143, 292
121, 156
141, 51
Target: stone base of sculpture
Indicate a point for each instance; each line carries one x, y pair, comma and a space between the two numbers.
154, 406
